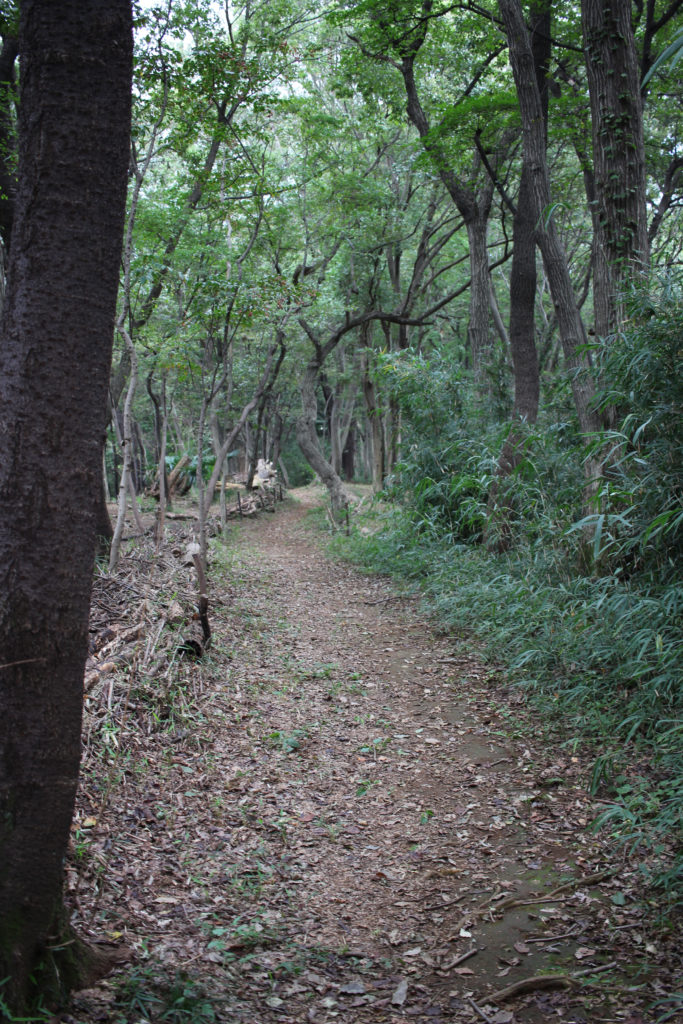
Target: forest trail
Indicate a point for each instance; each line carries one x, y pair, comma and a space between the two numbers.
342, 816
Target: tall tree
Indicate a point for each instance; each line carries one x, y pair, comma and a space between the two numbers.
621, 241
571, 328
55, 352
523, 269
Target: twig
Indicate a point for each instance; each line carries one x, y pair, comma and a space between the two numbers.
587, 971
479, 1010
472, 914
460, 959
508, 905
555, 938
574, 883
446, 903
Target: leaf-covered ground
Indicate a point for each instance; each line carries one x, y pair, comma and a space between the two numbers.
336, 815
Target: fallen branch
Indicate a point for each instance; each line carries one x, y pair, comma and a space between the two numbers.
539, 981
546, 981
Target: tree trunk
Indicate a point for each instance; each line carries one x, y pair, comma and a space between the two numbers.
349, 454
201, 501
523, 276
340, 424
478, 333
283, 470
374, 419
126, 486
307, 438
268, 378
572, 331
163, 486
104, 531
522, 305
392, 435
474, 210
621, 250
55, 356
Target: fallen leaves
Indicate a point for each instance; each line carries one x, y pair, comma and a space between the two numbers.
401, 993
306, 824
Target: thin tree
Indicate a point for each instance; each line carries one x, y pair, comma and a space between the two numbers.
55, 353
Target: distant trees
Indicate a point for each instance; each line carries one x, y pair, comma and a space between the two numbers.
55, 350
318, 169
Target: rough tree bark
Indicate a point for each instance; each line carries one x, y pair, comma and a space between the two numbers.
523, 269
621, 246
55, 354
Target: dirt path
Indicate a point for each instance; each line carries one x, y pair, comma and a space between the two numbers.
340, 816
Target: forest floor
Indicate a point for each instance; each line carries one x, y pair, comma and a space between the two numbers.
337, 814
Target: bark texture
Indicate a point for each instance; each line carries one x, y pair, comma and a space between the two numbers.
55, 353
621, 248
523, 269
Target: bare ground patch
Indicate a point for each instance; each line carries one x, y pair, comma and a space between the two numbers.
337, 815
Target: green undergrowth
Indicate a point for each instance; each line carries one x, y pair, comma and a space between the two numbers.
584, 609
143, 996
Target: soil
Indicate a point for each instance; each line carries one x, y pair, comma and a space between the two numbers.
337, 814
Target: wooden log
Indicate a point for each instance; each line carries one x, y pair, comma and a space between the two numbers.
174, 477
193, 639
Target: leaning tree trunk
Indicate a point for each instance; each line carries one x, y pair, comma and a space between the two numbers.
55, 354
307, 438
